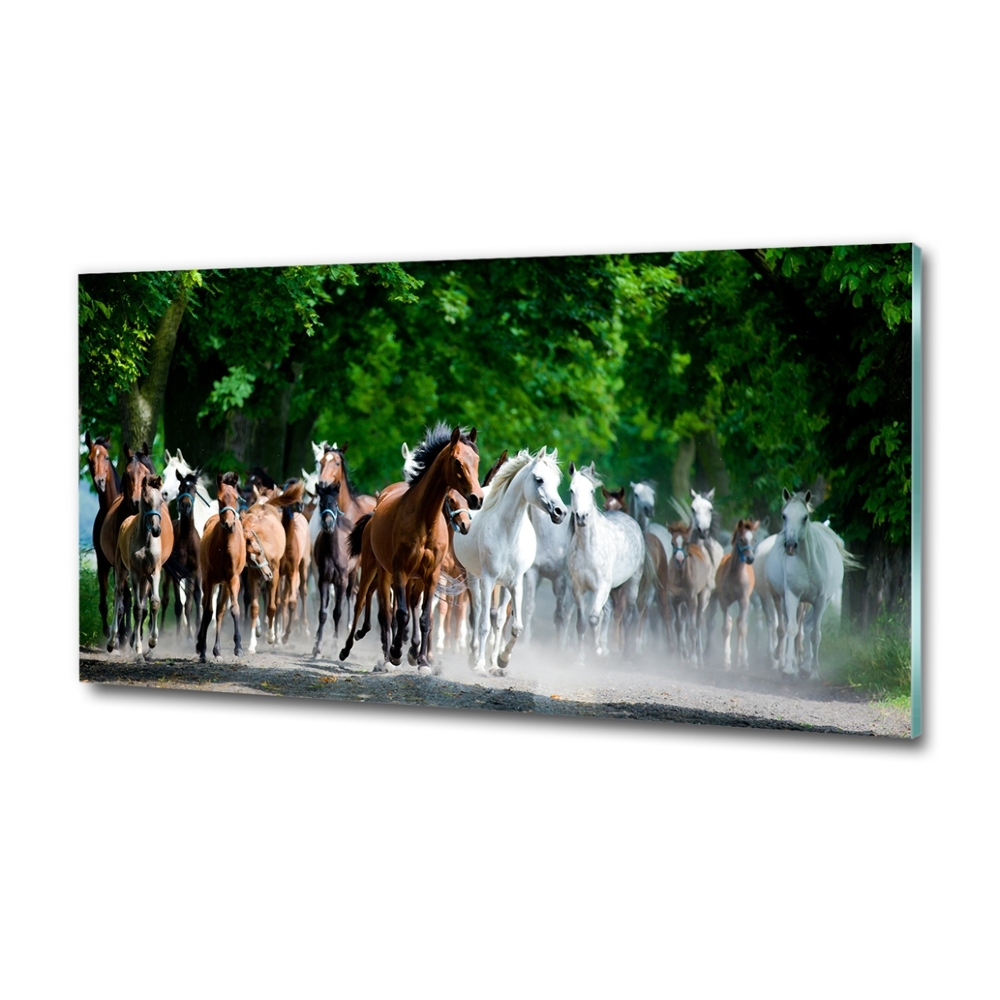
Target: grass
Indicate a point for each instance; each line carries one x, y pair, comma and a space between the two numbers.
91, 628
877, 661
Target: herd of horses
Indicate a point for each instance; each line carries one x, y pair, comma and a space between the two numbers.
452, 558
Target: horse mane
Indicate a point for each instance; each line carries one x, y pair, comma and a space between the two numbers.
231, 479
504, 475
354, 538
292, 494
352, 492
433, 444
495, 469
258, 473
592, 476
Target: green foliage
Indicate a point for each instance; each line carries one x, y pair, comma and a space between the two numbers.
795, 361
877, 662
91, 629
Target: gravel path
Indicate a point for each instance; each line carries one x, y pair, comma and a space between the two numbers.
540, 680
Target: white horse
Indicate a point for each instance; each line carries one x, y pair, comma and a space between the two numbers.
175, 469
550, 564
642, 503
500, 547
606, 552
805, 565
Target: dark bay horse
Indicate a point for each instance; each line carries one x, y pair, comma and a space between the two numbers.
108, 486
182, 568
407, 537
221, 560
138, 560
332, 568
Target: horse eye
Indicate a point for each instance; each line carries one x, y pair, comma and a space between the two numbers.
539, 480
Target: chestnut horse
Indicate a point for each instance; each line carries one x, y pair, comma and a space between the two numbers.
407, 538
734, 582
108, 486
220, 562
295, 561
688, 574
138, 559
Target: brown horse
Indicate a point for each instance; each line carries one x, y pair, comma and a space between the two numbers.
451, 599
137, 467
220, 563
182, 570
108, 486
614, 499
734, 581
264, 531
688, 575
138, 560
295, 561
408, 537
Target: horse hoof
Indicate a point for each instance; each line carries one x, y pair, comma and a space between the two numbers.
498, 672
201, 658
424, 669
480, 671
411, 659
316, 653
152, 642
344, 653
381, 667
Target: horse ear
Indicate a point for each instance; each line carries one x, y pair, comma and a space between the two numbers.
145, 449
606, 493
405, 451
631, 485
128, 450
472, 435
572, 469
710, 495
180, 456
785, 495
218, 480
593, 471
343, 447
86, 437
693, 494
455, 435
317, 450
808, 495
166, 457
179, 475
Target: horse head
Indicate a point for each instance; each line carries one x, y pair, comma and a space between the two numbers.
462, 467
137, 467
175, 467
99, 462
185, 498
456, 512
582, 484
680, 539
794, 517
150, 502
256, 556
643, 501
701, 509
328, 509
744, 540
542, 486
330, 465
228, 485
613, 499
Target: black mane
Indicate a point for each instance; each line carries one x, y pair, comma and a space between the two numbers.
432, 445
352, 492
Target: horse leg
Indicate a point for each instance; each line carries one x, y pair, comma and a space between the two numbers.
367, 581
817, 617
530, 586
414, 605
304, 596
324, 604
483, 614
234, 589
742, 653
154, 602
402, 619
564, 608
601, 596
291, 602
497, 632
220, 610
340, 589
206, 617
384, 618
426, 620
727, 629
518, 627
272, 608
254, 585
791, 622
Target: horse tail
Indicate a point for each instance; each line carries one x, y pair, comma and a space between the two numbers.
291, 495
354, 538
850, 561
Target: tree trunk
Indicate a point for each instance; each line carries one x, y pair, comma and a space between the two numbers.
680, 478
142, 404
711, 465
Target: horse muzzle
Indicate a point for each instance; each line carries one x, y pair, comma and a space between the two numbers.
473, 501
581, 520
557, 514
792, 548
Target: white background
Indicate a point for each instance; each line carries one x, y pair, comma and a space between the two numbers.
173, 844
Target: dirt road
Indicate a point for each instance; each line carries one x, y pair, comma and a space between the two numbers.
540, 680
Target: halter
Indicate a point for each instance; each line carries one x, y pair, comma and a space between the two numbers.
335, 513
742, 550
188, 495
263, 554
452, 514
151, 513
